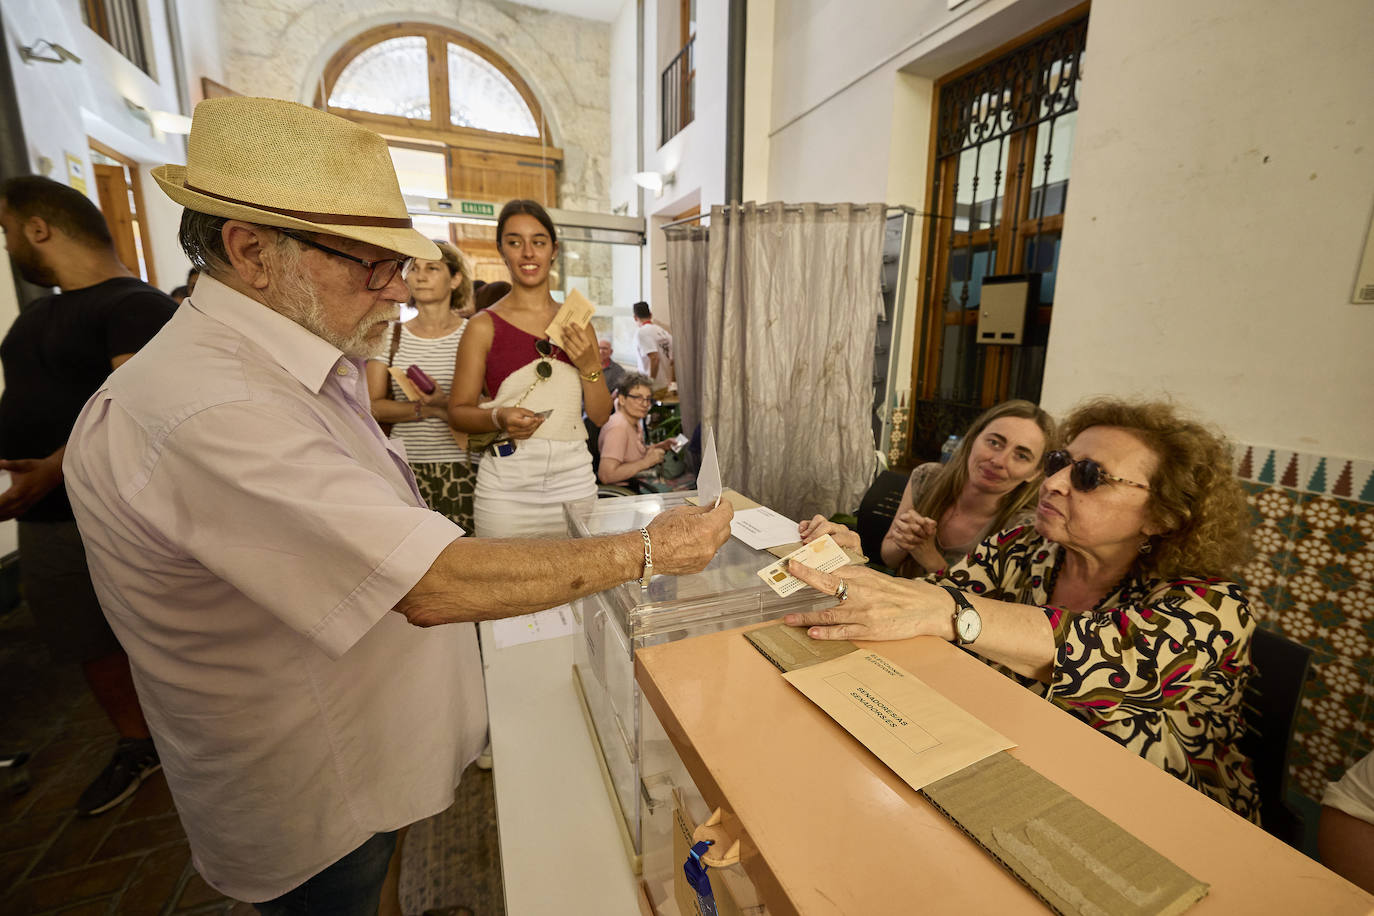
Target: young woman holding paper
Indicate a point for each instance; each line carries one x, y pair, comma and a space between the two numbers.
513, 380
441, 292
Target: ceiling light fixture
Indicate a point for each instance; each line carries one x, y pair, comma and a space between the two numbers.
165, 121
655, 181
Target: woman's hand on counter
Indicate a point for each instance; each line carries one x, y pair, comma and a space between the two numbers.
877, 606
819, 526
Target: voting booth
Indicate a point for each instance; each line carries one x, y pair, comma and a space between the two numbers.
646, 780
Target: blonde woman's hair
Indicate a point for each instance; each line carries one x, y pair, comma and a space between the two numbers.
458, 265
953, 476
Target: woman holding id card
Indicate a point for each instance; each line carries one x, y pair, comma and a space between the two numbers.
511, 380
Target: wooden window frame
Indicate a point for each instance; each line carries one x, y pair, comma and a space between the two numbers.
438, 128
1009, 235
140, 210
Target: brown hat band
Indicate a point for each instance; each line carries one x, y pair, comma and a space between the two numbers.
333, 219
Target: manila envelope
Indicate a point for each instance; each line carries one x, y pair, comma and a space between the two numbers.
916, 731
576, 310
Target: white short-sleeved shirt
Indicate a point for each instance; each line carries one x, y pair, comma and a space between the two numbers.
249, 531
1353, 793
650, 338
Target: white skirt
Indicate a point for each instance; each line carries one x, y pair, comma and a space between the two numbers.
522, 495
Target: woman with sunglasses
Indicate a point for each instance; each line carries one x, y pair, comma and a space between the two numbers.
441, 293
513, 380
988, 485
1116, 605
623, 451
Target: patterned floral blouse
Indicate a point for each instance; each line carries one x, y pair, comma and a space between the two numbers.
1158, 666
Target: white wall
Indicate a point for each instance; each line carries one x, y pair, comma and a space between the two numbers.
62, 104
1223, 184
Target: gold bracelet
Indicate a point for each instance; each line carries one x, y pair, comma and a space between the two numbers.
593, 376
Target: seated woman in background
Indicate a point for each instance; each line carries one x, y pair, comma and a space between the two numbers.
988, 485
1116, 605
623, 451
441, 291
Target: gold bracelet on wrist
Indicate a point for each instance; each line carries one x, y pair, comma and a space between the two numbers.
593, 376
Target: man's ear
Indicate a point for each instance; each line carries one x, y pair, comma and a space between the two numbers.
37, 230
244, 244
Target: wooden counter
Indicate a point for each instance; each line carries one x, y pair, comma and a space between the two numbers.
830, 830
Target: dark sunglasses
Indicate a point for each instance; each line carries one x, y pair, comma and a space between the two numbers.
1086, 475
380, 272
545, 350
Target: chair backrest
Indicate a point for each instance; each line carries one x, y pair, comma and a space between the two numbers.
877, 509
1271, 704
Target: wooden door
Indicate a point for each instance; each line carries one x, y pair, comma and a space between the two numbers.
113, 189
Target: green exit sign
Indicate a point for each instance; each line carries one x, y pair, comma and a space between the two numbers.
477, 208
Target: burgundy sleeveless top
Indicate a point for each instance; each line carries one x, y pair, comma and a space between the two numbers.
511, 348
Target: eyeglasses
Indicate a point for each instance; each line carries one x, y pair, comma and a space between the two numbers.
642, 398
381, 271
1085, 474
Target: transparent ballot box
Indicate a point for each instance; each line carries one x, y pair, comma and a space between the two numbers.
646, 780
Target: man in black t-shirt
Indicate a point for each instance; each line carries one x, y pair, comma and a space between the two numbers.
56, 354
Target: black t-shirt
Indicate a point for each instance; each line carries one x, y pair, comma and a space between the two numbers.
55, 356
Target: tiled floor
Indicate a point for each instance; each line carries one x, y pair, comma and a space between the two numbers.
134, 859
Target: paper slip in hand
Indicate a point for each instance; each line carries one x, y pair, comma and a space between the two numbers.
407, 386
822, 553
679, 443
576, 310
762, 528
708, 477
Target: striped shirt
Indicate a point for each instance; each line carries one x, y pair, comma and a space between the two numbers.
427, 440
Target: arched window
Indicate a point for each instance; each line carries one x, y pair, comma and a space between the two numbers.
461, 121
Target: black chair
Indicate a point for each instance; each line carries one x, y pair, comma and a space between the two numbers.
877, 510
1271, 704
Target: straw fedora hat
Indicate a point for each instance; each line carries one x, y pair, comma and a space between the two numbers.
282, 164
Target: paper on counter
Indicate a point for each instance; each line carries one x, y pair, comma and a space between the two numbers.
822, 553
576, 310
762, 528
550, 624
708, 477
921, 735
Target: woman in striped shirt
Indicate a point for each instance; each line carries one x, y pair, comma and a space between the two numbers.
441, 292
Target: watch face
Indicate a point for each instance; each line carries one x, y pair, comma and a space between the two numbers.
969, 625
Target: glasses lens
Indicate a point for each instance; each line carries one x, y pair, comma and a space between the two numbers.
1056, 461
543, 348
382, 273
1086, 475
543, 370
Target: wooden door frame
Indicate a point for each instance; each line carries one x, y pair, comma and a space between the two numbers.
140, 211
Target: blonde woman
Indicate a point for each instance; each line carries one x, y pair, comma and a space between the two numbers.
989, 484
441, 291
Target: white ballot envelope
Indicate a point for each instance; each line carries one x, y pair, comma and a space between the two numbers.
822, 553
577, 310
708, 478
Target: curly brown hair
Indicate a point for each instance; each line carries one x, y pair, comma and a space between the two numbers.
1194, 494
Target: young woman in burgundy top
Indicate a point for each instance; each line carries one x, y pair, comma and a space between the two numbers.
508, 373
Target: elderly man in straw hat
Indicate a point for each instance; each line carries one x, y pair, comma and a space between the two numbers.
261, 550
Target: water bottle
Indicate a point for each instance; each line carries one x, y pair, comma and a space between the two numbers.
947, 450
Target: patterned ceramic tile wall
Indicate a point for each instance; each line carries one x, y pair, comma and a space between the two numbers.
1313, 574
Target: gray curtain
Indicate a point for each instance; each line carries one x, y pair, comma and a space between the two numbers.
786, 370
687, 252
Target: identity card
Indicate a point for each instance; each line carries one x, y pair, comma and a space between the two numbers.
822, 553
